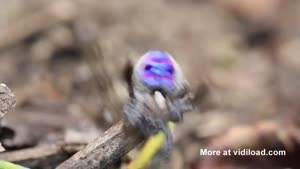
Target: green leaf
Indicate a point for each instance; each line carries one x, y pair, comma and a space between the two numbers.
8, 165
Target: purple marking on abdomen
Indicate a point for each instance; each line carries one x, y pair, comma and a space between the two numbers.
158, 70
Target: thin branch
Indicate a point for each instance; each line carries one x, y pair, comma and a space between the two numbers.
7, 100
106, 149
40, 152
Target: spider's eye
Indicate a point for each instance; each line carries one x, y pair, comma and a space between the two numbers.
148, 67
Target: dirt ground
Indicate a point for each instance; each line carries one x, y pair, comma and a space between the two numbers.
240, 58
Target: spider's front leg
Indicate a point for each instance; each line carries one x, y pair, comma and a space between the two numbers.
140, 114
134, 114
180, 102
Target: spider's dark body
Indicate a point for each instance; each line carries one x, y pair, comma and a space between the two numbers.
157, 72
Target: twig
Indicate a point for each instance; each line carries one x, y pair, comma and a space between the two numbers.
87, 35
40, 152
7, 100
105, 150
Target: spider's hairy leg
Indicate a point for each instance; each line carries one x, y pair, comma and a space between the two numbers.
133, 112
139, 116
180, 102
178, 107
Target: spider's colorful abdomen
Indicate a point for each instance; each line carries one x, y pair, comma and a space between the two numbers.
158, 70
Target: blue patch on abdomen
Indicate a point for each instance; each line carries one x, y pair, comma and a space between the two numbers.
158, 82
158, 70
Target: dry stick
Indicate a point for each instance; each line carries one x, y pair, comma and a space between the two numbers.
106, 149
7, 100
87, 34
57, 12
41, 152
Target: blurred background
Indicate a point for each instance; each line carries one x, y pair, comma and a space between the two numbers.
65, 60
